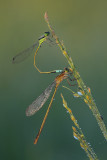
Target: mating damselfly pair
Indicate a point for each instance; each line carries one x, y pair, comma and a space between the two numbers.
39, 102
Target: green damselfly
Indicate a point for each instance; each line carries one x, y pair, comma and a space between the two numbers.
24, 54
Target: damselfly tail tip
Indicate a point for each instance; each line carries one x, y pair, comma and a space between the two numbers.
13, 60
35, 141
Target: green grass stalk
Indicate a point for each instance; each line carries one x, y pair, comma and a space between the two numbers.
88, 99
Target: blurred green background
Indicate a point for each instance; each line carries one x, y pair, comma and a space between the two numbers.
82, 25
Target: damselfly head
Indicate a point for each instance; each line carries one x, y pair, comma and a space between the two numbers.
66, 69
47, 34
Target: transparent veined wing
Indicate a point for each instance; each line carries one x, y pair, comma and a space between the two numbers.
39, 102
24, 54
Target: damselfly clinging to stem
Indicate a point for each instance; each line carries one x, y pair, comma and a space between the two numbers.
24, 54
39, 102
